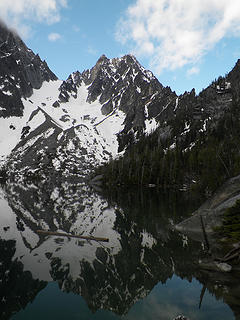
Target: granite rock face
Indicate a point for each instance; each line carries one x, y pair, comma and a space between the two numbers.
122, 83
211, 212
21, 71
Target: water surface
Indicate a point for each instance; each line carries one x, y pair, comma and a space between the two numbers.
146, 270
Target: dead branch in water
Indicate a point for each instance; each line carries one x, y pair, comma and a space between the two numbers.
60, 234
204, 233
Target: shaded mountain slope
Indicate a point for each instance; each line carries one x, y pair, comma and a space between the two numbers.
196, 148
21, 71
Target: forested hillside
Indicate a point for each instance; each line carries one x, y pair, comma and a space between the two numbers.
194, 159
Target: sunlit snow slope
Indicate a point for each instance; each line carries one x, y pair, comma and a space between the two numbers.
71, 126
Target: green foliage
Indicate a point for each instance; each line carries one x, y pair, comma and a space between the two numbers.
214, 158
230, 228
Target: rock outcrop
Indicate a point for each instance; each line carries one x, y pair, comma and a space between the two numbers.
211, 212
21, 71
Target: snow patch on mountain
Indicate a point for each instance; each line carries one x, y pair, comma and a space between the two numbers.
86, 118
151, 125
12, 128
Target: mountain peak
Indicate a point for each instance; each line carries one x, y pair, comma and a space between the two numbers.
130, 58
21, 71
102, 59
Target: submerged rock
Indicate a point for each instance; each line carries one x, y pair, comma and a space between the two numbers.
180, 318
212, 265
224, 267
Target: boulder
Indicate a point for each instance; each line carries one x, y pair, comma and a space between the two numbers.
211, 212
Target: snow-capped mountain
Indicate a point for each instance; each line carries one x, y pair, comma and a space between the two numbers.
66, 128
62, 130
70, 126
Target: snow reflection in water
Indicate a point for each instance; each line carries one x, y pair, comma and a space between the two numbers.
134, 274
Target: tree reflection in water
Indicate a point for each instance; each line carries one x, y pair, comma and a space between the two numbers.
143, 251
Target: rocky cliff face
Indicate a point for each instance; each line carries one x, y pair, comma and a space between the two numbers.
123, 84
21, 71
198, 115
211, 212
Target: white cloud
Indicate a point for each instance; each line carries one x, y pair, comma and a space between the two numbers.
19, 14
193, 70
54, 36
174, 33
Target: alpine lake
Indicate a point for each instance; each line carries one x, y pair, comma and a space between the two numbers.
146, 270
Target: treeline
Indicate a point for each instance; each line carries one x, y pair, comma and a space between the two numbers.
214, 158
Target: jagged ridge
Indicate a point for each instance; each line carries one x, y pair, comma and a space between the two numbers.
21, 71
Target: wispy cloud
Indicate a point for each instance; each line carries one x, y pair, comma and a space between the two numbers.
175, 33
92, 51
76, 28
20, 14
54, 36
193, 70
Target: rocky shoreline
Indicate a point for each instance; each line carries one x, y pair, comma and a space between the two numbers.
222, 256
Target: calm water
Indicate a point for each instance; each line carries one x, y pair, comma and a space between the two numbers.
146, 270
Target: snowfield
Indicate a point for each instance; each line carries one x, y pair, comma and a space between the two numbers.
76, 113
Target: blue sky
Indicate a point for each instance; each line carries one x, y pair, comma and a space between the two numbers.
185, 44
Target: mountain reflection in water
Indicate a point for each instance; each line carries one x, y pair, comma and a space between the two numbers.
144, 256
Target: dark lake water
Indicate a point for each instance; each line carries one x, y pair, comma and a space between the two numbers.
146, 270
